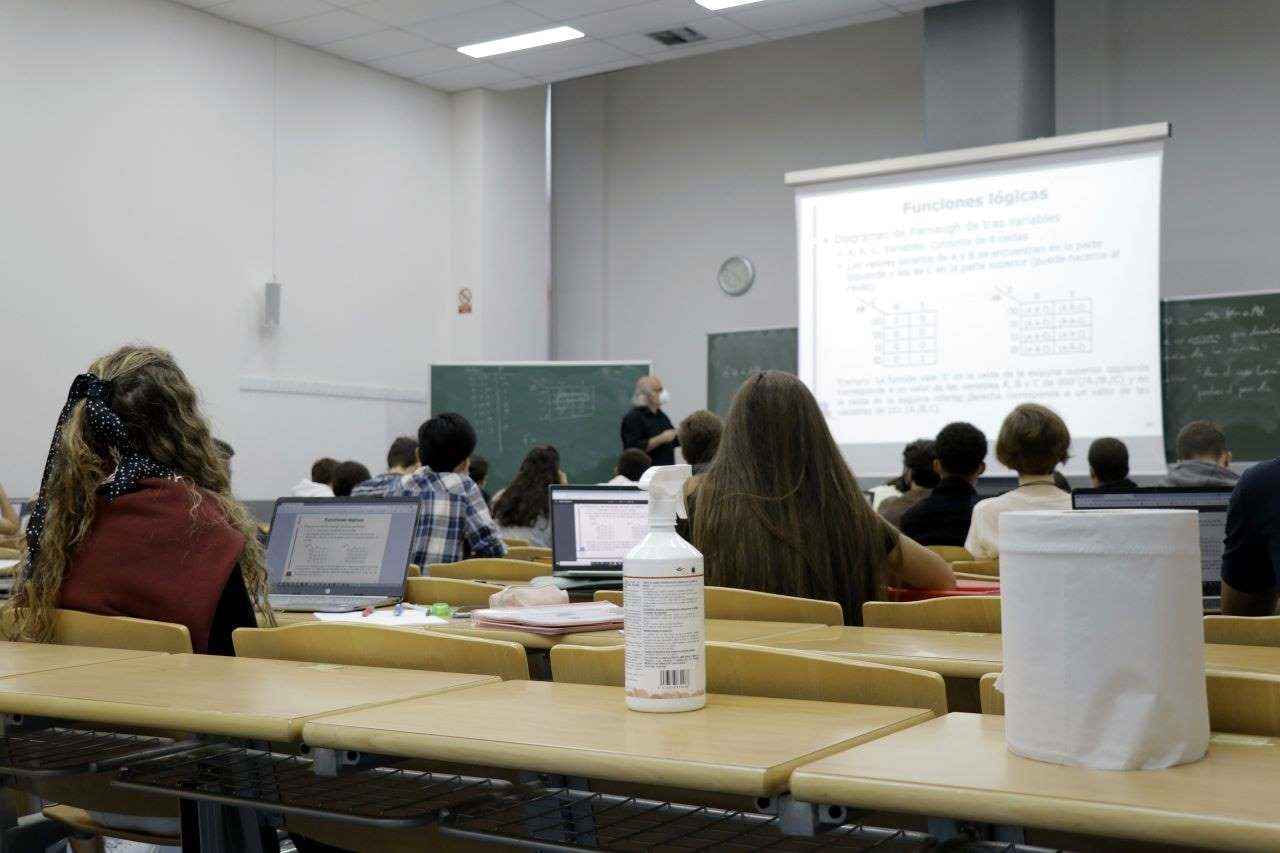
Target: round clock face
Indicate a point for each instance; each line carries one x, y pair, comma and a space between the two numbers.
736, 276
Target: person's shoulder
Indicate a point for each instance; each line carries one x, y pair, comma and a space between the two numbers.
1264, 477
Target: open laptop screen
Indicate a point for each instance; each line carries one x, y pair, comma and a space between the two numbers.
1210, 502
593, 527
344, 546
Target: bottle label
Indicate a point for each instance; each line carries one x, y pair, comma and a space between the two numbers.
665, 634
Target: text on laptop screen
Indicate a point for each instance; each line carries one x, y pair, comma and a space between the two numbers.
595, 528
1211, 504
340, 545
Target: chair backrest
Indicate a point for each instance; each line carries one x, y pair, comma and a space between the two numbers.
985, 568
449, 591
744, 670
951, 553
514, 542
490, 569
532, 553
1242, 703
724, 602
9, 554
979, 613
74, 628
1243, 630
375, 645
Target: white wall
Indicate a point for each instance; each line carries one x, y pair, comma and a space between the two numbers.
1212, 70
661, 172
136, 163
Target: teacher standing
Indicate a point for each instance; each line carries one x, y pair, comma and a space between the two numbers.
646, 426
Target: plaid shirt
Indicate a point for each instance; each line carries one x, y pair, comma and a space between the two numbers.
377, 487
454, 518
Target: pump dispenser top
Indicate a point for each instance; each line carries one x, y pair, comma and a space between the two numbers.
665, 485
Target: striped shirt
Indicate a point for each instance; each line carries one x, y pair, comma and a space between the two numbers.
454, 523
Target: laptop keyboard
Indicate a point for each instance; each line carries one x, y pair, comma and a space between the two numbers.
325, 603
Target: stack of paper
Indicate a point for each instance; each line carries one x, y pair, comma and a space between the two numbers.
552, 619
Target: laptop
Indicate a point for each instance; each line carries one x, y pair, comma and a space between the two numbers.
335, 555
1211, 502
593, 528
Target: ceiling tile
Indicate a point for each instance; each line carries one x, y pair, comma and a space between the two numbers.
490, 22
200, 4
548, 60
377, 45
264, 13
834, 24
401, 12
794, 13
522, 83
322, 29
422, 62
561, 10
706, 47
641, 18
714, 28
476, 76
592, 70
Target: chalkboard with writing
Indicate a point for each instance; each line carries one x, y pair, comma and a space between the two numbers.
1222, 363
576, 406
733, 356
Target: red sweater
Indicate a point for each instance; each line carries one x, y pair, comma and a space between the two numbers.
149, 556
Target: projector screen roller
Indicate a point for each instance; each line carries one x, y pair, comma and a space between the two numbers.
956, 293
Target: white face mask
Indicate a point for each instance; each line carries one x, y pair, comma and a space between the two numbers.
664, 398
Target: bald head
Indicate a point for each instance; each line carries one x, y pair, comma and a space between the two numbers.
648, 392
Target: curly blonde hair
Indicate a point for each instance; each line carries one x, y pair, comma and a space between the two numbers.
161, 413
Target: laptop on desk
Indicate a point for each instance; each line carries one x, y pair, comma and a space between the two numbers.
334, 555
1210, 502
593, 528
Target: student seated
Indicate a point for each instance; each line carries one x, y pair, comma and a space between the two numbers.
479, 472
320, 485
699, 435
455, 521
781, 512
523, 508
1251, 556
347, 476
402, 459
1202, 457
135, 515
896, 487
943, 517
1109, 465
1033, 441
10, 523
630, 468
919, 459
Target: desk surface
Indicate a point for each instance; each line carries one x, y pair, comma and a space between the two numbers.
718, 631
737, 744
206, 694
24, 658
958, 766
966, 655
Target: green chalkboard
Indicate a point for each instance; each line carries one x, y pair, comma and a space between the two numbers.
577, 406
733, 356
1222, 363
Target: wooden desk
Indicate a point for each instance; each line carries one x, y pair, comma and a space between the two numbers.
948, 653
718, 631
957, 766
1260, 659
206, 694
25, 658
737, 744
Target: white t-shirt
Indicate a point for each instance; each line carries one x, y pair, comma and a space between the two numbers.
619, 480
306, 488
1033, 492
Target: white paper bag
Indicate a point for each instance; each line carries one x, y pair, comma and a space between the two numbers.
1103, 638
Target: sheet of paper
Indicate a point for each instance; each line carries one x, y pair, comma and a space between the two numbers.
407, 619
8, 564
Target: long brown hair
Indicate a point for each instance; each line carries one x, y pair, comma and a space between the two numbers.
161, 413
780, 511
527, 497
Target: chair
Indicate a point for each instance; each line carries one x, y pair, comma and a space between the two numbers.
74, 628
9, 554
744, 670
1243, 630
515, 542
450, 591
490, 569
980, 613
985, 568
724, 602
375, 645
951, 553
531, 553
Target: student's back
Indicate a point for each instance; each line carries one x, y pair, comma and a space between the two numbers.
779, 511
156, 536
